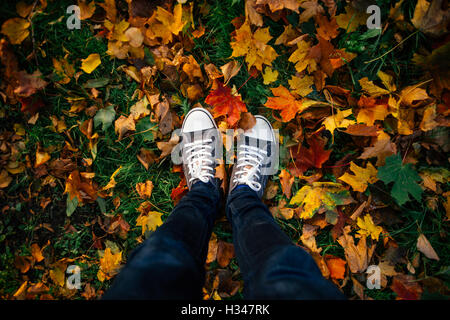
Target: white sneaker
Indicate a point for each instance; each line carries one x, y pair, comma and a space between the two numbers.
201, 146
257, 157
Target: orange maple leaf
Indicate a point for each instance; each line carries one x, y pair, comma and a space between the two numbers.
285, 102
226, 104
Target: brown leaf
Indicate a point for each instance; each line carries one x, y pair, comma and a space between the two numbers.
145, 189
225, 252
29, 83
22, 263
406, 287
286, 181
247, 121
229, 70
167, 146
358, 256
308, 237
362, 130
251, 14
147, 157
381, 149
212, 248
424, 246
124, 124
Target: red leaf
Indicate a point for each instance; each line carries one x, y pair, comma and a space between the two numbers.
179, 191
226, 104
406, 288
305, 158
31, 104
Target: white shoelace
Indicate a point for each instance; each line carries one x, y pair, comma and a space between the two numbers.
199, 162
248, 171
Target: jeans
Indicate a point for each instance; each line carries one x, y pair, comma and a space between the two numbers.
170, 263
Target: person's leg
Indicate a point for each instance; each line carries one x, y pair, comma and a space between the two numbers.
271, 265
170, 263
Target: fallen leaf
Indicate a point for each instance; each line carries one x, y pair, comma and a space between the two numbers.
320, 195
253, 46
166, 147
144, 189
109, 265
90, 63
229, 70
269, 75
225, 103
357, 256
361, 178
368, 228
336, 266
424, 246
406, 287
304, 158
16, 29
275, 5
225, 252
286, 181
149, 221
123, 125
285, 102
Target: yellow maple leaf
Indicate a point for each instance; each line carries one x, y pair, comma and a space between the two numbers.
163, 24
117, 31
90, 63
372, 89
269, 75
319, 195
109, 265
16, 29
368, 228
338, 120
298, 57
351, 19
149, 221
253, 46
361, 178
301, 86
288, 34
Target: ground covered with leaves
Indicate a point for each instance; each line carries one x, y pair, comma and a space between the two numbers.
87, 115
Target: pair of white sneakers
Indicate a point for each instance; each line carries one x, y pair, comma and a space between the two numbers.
202, 146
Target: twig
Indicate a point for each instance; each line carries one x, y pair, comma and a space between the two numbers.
30, 17
389, 51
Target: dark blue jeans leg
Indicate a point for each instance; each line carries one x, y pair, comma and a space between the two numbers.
271, 265
170, 263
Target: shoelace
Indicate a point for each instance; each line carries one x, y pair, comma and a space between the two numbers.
248, 166
199, 160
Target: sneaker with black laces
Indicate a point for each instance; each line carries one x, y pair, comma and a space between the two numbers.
201, 147
257, 157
